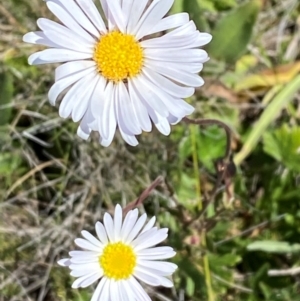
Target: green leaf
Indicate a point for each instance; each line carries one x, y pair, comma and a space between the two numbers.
284, 145
195, 10
228, 260
224, 4
269, 114
271, 146
6, 94
177, 6
233, 32
190, 286
211, 142
271, 246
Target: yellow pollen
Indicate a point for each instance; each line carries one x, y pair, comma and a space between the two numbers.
117, 261
118, 56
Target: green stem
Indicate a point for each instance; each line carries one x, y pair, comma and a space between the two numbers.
207, 274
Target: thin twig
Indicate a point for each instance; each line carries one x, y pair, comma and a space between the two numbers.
158, 181
214, 122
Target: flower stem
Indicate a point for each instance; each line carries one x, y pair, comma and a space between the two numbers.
207, 275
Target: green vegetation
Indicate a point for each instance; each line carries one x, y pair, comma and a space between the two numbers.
53, 184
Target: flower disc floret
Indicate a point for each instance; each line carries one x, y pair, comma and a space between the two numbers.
118, 261
118, 56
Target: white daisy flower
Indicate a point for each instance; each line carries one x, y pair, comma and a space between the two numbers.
122, 253
119, 74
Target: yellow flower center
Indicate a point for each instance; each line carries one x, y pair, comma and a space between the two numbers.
118, 261
118, 56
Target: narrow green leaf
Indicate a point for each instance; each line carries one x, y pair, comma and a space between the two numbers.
269, 114
270, 246
233, 32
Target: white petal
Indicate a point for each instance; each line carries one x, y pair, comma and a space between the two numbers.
123, 295
38, 37
130, 139
161, 267
155, 251
129, 223
143, 241
185, 29
92, 239
117, 14
175, 106
153, 14
149, 225
126, 8
68, 41
63, 36
56, 56
169, 22
117, 222
126, 291
184, 77
140, 293
127, 119
157, 257
65, 262
136, 11
59, 11
153, 279
83, 272
64, 83
188, 67
137, 228
84, 129
109, 226
100, 230
85, 266
110, 20
105, 295
162, 124
85, 281
202, 39
106, 142
159, 121
98, 291
84, 99
85, 259
108, 123
114, 291
74, 101
125, 114
89, 254
167, 85
178, 42
92, 12
79, 16
84, 244
149, 95
140, 110
84, 254
147, 278
69, 68
175, 55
